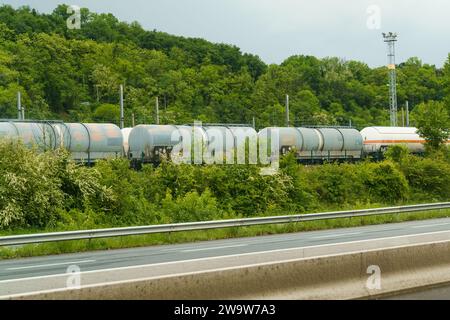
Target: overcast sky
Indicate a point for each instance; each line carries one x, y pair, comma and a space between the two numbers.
277, 29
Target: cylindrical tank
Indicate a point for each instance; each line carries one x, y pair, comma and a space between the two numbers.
312, 139
376, 139
245, 144
288, 138
226, 135
197, 135
353, 140
80, 140
333, 140
148, 141
91, 141
243, 134
33, 134
62, 134
220, 144
8, 130
192, 143
125, 136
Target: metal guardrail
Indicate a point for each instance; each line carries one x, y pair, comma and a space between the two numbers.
204, 225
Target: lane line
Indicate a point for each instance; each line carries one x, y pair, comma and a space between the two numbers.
259, 240
50, 265
109, 283
430, 225
228, 256
214, 248
332, 236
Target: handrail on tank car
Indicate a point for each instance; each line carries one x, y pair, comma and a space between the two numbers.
31, 121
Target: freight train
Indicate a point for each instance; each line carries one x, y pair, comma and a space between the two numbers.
89, 142
86, 142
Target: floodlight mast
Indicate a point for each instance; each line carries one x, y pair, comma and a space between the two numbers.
390, 38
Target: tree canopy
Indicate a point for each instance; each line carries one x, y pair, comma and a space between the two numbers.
433, 123
68, 74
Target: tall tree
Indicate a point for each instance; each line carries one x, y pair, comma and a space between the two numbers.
433, 123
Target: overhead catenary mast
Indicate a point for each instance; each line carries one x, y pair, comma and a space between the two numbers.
19, 106
390, 38
157, 110
288, 122
121, 108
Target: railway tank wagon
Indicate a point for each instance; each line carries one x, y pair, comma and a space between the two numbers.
89, 142
86, 142
125, 135
318, 144
376, 140
42, 135
245, 144
232, 145
147, 143
214, 143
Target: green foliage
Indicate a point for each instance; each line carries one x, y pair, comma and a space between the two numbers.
338, 183
385, 182
107, 113
429, 178
433, 123
29, 190
191, 207
67, 74
397, 153
49, 191
36, 187
74, 75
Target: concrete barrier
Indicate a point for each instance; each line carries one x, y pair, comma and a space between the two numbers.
341, 276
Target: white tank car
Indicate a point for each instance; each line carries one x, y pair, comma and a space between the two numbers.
88, 142
317, 143
378, 139
125, 135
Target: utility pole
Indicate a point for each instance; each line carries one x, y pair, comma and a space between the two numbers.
19, 106
254, 123
403, 117
121, 108
287, 111
407, 113
390, 38
157, 110
132, 119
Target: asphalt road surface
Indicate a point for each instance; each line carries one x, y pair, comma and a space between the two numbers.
110, 259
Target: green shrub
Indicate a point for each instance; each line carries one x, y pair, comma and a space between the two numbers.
191, 207
128, 204
49, 191
36, 187
429, 178
338, 183
385, 183
397, 153
30, 190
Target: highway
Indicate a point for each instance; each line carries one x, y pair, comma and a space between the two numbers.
168, 259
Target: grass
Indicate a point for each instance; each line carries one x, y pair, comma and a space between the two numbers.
214, 234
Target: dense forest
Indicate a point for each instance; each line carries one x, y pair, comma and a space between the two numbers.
75, 75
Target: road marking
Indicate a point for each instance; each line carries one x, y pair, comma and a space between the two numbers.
214, 248
228, 256
51, 265
430, 225
109, 283
337, 235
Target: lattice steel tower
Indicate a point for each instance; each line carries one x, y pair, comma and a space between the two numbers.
390, 38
